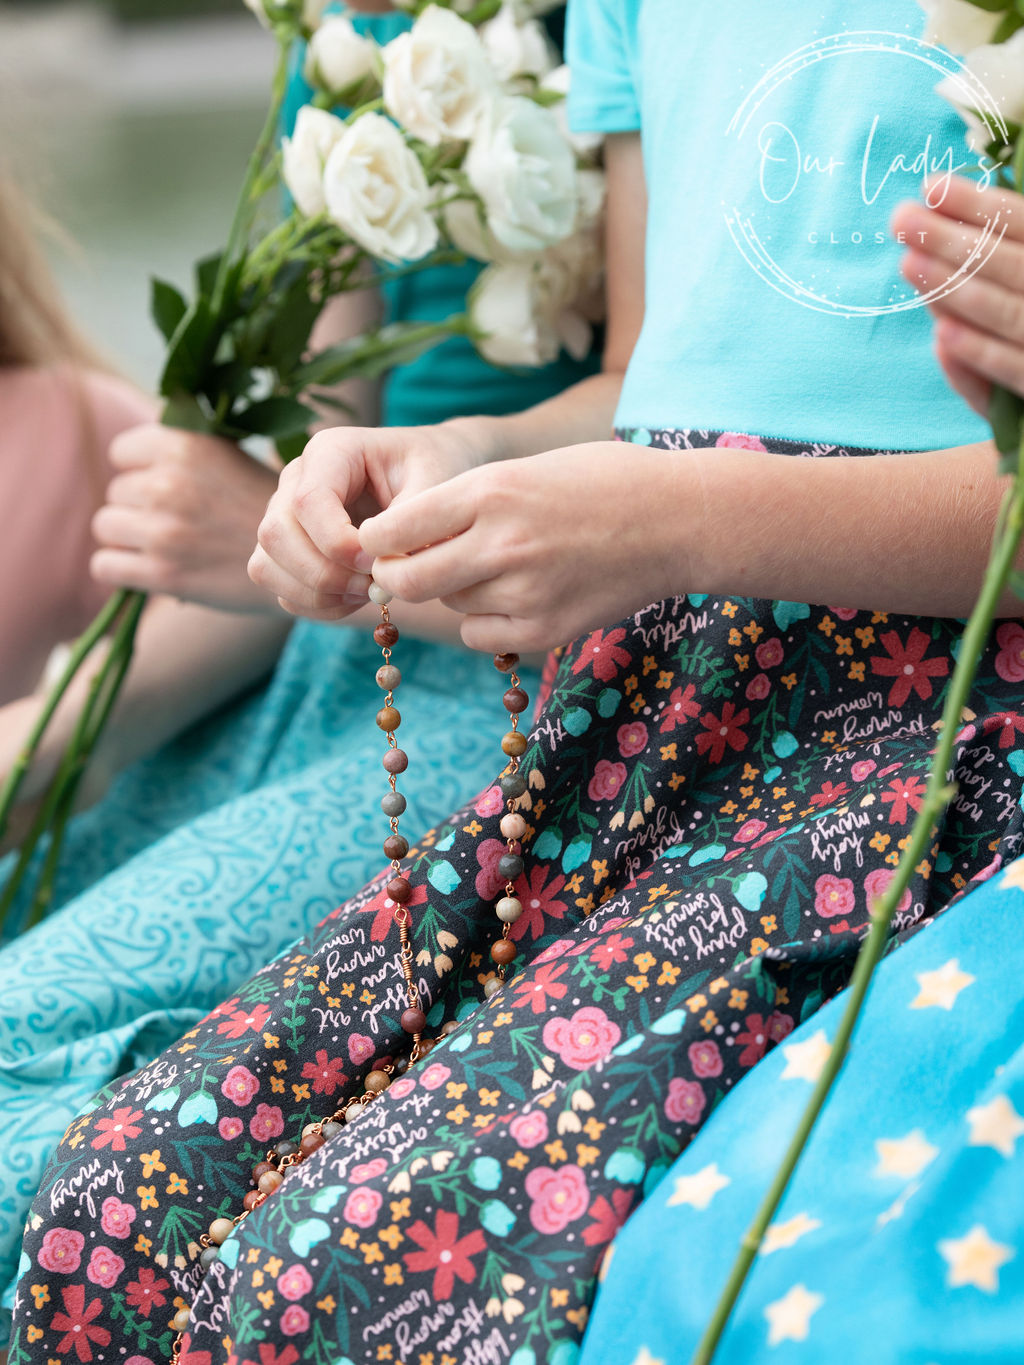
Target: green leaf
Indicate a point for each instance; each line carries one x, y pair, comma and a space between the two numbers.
291, 447
1007, 28
183, 410
206, 273
166, 305
293, 322
190, 351
277, 417
372, 355
1006, 413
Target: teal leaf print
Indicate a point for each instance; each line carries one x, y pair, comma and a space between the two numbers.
443, 877
576, 854
549, 845
198, 1108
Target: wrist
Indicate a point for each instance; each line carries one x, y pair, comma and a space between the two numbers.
488, 439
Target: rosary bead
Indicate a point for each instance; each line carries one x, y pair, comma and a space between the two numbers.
379, 595
251, 1199
426, 1046
221, 1229
309, 1128
400, 1066
179, 1323
503, 952
399, 889
515, 700
413, 1020
514, 744
513, 786
395, 846
388, 677
513, 826
330, 1129
286, 1148
389, 719
396, 761
259, 1168
508, 909
449, 1027
386, 635
377, 1082
505, 663
492, 986
510, 866
393, 803
209, 1254
311, 1143
269, 1181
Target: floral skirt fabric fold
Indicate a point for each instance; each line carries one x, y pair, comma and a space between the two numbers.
717, 786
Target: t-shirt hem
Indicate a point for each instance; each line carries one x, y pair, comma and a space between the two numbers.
603, 117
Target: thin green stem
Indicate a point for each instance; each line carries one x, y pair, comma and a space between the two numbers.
938, 794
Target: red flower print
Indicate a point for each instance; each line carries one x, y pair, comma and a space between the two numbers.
559, 1197
780, 1026
754, 1039
116, 1219
602, 653
758, 687
632, 738
61, 1251
269, 1355
586, 1038
829, 794
833, 896
104, 1267
360, 1048
615, 948
1009, 662
362, 1206
267, 1122
444, 1252
749, 831
681, 707
294, 1320
608, 1217
736, 440
242, 1020
294, 1282
189, 1357
769, 653
76, 1323
705, 1058
382, 908
489, 802
907, 664
114, 1128
723, 730
875, 884
144, 1293
435, 1075
230, 1128
239, 1085
1007, 723
904, 795
530, 1129
488, 882
225, 1007
540, 903
684, 1102
844, 613
325, 1073
542, 984
367, 1170
607, 780
863, 768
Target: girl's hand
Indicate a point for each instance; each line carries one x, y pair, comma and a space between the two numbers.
309, 556
979, 324
181, 517
537, 551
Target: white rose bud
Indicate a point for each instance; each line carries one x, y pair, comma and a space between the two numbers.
338, 57
376, 191
304, 156
437, 79
307, 13
516, 48
508, 309
585, 145
1000, 69
957, 25
525, 174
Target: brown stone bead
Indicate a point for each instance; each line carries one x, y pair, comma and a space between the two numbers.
377, 1082
386, 635
513, 826
413, 1020
399, 890
449, 1027
397, 847
503, 952
259, 1168
269, 1181
427, 1045
220, 1230
310, 1143
396, 761
251, 1200
505, 663
388, 677
401, 1066
515, 700
513, 744
389, 719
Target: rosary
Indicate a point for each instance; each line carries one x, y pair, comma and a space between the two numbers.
269, 1174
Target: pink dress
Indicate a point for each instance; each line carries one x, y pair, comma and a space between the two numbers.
55, 428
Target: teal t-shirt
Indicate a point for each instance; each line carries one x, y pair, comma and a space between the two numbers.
450, 379
777, 141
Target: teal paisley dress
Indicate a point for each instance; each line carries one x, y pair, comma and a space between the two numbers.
716, 788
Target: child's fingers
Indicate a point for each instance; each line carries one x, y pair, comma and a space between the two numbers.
454, 566
140, 446
947, 239
493, 634
987, 306
967, 382
966, 200
426, 518
986, 355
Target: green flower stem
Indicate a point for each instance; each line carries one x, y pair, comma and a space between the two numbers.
937, 796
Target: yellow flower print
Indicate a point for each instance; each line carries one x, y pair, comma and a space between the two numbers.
349, 1238
277, 1085
372, 1254
256, 1279
669, 974
586, 1156
653, 894
490, 1096
782, 996
585, 903
505, 1017
594, 1128
729, 609
559, 1298
729, 808
455, 1090
301, 1092
400, 1208
676, 781
40, 1294
518, 1161
631, 684
556, 1151
746, 791
575, 883
348, 988
880, 618
958, 881
273, 1266
176, 1184
749, 772
753, 632
483, 1038
669, 753
879, 841
147, 1197
143, 1245
742, 662
327, 1304
768, 924
665, 680
866, 635
639, 983
856, 673
459, 1114
393, 1273
367, 997
827, 737
757, 946
735, 638
266, 1298
696, 1002
151, 1162
650, 664
252, 1256
637, 704
473, 828
610, 890
34, 1332
719, 984
384, 1353
826, 625
390, 1236
271, 1040
709, 1020
844, 644
788, 680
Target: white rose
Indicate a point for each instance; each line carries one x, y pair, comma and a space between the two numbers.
308, 13
376, 191
304, 156
585, 145
1000, 69
338, 57
509, 311
516, 48
437, 79
466, 226
957, 25
525, 174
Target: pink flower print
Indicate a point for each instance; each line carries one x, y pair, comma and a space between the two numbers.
829, 795
603, 653
738, 440
239, 1085
681, 707
294, 1320
241, 1021
875, 885
1009, 662
758, 687
540, 902
489, 802
230, 1128
705, 1058
382, 908
632, 738
583, 1040
863, 769
405, 1085
360, 1049
615, 948
294, 1282
559, 1197
555, 950
488, 882
362, 1206
369, 1170
844, 613
116, 1219
769, 653
114, 1128
749, 831
684, 1102
61, 1251
529, 1129
833, 896
607, 780
435, 1075
104, 1267
780, 1026
267, 1122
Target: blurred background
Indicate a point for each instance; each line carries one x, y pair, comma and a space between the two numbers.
130, 122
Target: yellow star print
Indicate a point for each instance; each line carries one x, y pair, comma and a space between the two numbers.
996, 1124
1013, 876
805, 1061
906, 1157
941, 987
644, 1357
975, 1259
699, 1190
789, 1318
787, 1234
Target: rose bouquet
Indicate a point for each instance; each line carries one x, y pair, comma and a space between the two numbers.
456, 147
